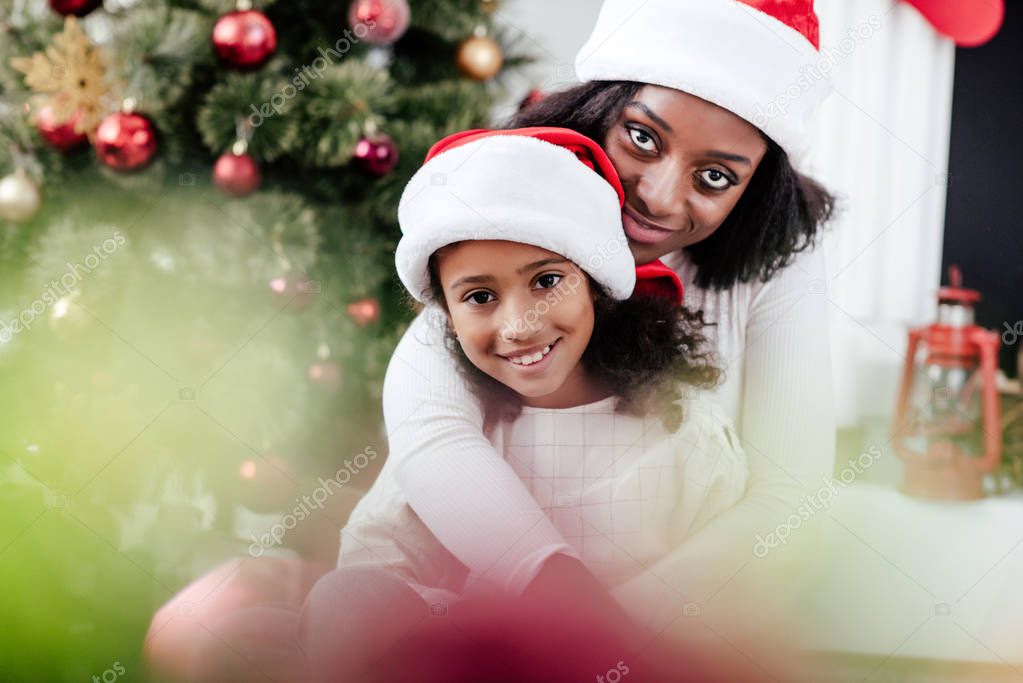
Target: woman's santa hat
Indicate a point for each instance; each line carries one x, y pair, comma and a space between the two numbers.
552, 188
755, 58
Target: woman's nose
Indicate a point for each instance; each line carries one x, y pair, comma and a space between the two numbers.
661, 191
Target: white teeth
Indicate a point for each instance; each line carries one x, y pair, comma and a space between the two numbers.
535, 358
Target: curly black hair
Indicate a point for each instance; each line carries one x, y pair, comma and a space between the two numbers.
646, 350
780, 213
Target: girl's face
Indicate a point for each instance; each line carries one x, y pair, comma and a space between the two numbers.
684, 163
523, 315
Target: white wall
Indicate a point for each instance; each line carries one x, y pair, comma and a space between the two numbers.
881, 144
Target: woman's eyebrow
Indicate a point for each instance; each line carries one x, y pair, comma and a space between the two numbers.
730, 157
636, 104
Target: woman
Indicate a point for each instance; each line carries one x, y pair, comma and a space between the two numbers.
705, 146
703, 108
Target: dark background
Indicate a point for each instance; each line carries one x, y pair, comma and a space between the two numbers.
984, 220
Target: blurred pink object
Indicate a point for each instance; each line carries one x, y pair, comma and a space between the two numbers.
968, 22
245, 602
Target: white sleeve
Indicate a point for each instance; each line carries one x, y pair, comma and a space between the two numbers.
453, 478
788, 432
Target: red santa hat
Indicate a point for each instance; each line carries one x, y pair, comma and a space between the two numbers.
755, 58
553, 188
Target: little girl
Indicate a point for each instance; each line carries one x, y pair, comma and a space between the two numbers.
513, 240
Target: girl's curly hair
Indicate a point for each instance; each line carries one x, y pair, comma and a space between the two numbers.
646, 350
780, 213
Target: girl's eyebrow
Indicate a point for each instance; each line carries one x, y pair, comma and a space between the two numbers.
480, 279
540, 264
471, 280
635, 104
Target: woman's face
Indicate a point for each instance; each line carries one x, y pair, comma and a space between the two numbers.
522, 314
684, 163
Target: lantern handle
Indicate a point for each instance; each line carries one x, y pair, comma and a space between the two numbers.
955, 277
901, 423
990, 402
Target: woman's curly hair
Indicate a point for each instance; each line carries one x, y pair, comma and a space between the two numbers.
780, 213
646, 350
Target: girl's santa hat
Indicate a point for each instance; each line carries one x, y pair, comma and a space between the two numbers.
755, 58
552, 188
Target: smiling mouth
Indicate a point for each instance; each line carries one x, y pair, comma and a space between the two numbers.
533, 359
641, 231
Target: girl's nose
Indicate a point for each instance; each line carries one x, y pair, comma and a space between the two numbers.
521, 321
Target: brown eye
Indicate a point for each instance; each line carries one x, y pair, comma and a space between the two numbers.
478, 298
642, 139
548, 280
715, 179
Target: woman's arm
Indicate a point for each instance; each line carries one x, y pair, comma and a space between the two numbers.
787, 429
463, 490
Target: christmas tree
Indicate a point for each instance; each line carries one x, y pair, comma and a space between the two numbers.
197, 301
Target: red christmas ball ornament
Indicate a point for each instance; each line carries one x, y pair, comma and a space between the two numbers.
265, 484
60, 134
379, 21
125, 141
236, 174
79, 8
293, 290
364, 312
244, 39
377, 155
533, 97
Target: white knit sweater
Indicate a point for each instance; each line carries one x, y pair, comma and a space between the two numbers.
622, 490
772, 340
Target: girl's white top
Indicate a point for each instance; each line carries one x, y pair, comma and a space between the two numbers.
620, 489
772, 341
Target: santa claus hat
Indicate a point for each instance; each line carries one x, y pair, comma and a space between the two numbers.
552, 188
755, 58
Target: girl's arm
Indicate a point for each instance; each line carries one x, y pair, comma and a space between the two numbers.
463, 490
787, 429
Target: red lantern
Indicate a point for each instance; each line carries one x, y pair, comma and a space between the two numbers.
947, 423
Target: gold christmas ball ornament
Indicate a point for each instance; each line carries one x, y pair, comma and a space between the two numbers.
19, 197
479, 57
